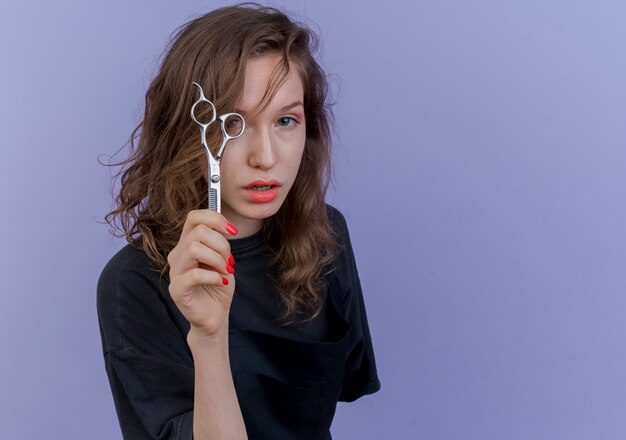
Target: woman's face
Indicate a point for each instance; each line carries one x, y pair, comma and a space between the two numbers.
269, 151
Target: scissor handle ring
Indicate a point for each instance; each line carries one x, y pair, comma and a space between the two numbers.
224, 119
200, 100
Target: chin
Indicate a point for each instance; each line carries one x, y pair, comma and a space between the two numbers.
260, 211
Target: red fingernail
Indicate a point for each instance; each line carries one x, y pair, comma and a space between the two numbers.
231, 229
224, 281
230, 268
231, 260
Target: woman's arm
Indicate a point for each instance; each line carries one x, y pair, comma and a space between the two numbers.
202, 287
216, 409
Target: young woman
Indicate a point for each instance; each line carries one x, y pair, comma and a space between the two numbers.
250, 323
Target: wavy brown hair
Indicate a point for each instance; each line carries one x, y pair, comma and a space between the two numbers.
165, 174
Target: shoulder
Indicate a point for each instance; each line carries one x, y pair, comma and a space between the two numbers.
338, 224
345, 268
128, 263
127, 285
335, 216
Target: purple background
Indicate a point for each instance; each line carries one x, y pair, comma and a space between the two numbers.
480, 163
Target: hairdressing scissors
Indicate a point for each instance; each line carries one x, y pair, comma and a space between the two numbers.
232, 125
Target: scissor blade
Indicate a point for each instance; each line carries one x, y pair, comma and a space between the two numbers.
213, 200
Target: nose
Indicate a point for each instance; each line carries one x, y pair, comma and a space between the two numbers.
261, 150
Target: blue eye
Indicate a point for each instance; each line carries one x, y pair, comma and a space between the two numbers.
282, 120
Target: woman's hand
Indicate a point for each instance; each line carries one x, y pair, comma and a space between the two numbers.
198, 265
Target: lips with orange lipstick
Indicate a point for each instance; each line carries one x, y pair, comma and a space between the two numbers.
262, 191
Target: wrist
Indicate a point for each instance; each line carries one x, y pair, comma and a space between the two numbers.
197, 338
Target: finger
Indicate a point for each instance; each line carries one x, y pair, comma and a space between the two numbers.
204, 234
199, 276
199, 253
213, 219
210, 238
188, 281
203, 244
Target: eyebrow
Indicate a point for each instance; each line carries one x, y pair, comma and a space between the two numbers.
283, 109
292, 105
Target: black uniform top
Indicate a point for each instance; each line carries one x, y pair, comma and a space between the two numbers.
288, 379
